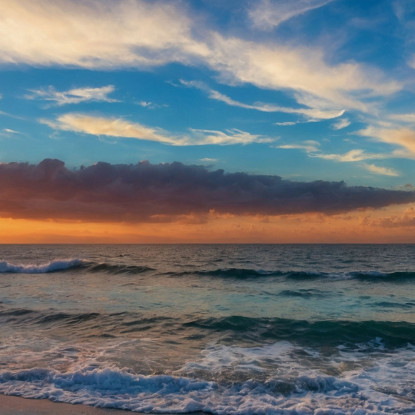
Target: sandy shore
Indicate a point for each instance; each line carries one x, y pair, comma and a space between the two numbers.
14, 405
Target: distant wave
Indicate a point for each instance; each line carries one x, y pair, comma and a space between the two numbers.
244, 273
117, 268
231, 273
52, 266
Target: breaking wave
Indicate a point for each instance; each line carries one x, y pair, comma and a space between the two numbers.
71, 264
52, 266
114, 388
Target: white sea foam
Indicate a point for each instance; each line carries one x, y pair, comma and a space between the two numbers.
381, 387
52, 266
169, 394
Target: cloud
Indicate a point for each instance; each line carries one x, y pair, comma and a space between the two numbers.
350, 157
113, 127
95, 34
402, 137
403, 220
310, 146
309, 113
144, 192
406, 118
151, 105
381, 170
138, 34
209, 160
118, 127
231, 136
9, 132
343, 123
268, 14
299, 69
73, 96
285, 123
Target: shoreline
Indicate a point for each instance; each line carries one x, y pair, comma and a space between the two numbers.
17, 405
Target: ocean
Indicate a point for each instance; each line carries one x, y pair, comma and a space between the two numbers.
220, 329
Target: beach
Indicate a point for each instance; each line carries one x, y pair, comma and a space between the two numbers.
13, 405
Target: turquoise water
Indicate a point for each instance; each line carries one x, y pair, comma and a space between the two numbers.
223, 329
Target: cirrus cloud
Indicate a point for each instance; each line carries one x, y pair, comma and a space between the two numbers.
139, 34
118, 127
73, 96
268, 14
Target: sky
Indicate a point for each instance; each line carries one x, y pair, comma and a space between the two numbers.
267, 121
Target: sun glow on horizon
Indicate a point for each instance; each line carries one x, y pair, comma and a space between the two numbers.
390, 225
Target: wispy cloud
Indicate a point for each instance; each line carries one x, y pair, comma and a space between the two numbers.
209, 160
275, 66
8, 132
145, 192
309, 113
406, 118
95, 34
73, 96
401, 137
268, 14
231, 136
343, 123
285, 123
381, 170
150, 105
310, 146
119, 127
351, 156
103, 126
136, 33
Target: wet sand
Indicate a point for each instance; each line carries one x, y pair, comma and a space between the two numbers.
14, 405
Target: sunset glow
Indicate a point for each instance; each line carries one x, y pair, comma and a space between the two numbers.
207, 122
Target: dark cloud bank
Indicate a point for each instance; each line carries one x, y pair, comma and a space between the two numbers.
145, 192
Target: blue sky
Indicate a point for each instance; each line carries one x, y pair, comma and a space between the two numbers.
305, 89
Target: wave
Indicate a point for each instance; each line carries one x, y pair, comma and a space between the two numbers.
52, 266
330, 333
71, 264
117, 269
110, 387
87, 325
113, 388
244, 273
61, 265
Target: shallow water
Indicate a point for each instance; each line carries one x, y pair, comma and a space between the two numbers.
225, 329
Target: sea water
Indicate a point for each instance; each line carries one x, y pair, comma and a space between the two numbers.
221, 329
